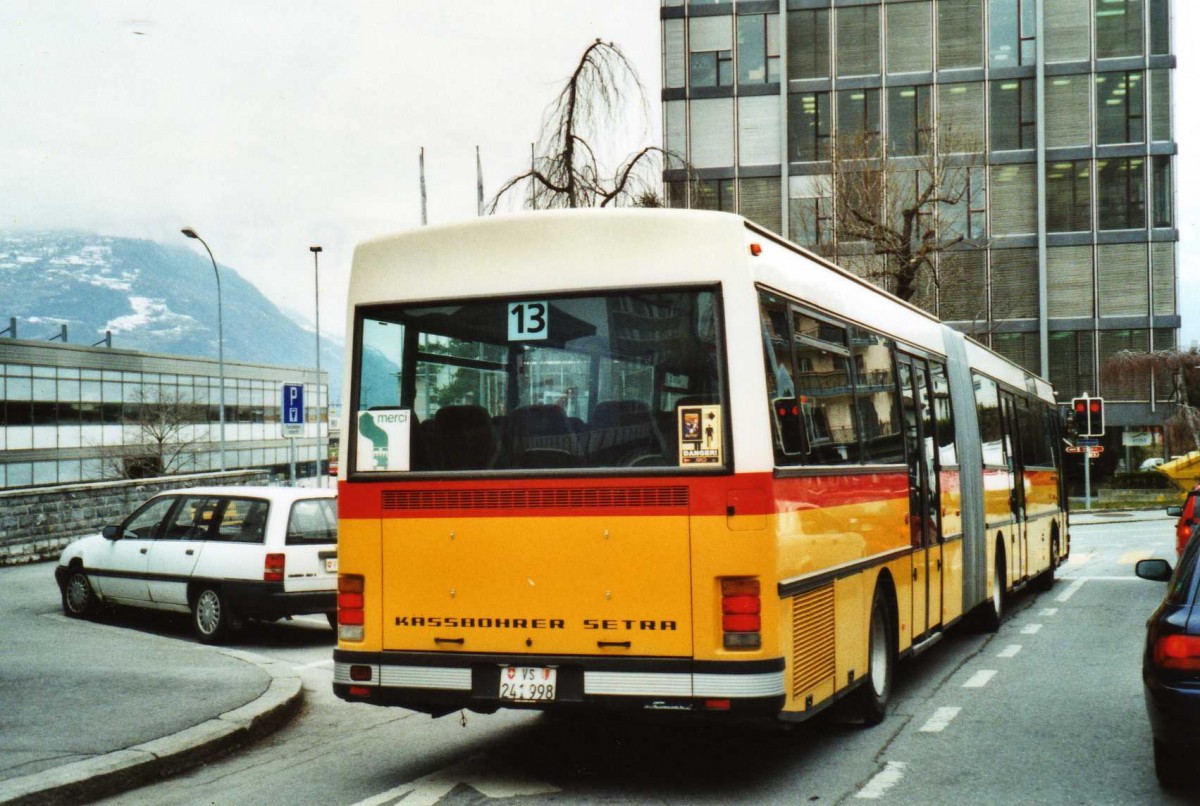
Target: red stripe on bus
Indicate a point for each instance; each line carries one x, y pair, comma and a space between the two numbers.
749, 494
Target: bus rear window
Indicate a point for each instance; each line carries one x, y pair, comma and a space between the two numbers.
619, 380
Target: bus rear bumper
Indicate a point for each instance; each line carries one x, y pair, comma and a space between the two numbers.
438, 684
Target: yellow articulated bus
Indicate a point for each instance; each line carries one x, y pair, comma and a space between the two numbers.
662, 460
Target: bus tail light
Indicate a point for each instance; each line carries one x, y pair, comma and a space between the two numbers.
273, 567
1181, 652
741, 609
350, 607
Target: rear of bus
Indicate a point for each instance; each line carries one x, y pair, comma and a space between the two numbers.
537, 499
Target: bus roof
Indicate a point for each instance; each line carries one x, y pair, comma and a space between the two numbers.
564, 251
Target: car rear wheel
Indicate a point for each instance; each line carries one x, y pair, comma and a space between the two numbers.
78, 598
212, 618
1169, 765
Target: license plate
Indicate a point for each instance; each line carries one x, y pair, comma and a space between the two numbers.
527, 683
331, 565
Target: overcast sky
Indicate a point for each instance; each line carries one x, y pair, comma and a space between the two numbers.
268, 127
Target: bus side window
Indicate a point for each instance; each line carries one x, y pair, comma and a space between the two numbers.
790, 444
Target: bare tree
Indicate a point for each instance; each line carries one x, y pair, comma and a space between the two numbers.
159, 438
887, 218
1176, 370
567, 168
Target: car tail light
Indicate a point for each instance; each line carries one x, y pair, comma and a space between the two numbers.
1180, 652
741, 608
273, 567
350, 607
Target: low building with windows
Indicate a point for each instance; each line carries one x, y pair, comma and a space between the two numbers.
70, 414
1062, 109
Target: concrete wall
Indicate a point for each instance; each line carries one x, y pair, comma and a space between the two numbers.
36, 523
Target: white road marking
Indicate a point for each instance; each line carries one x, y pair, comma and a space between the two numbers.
1080, 559
884, 780
1069, 592
1049, 611
314, 664
1031, 629
1009, 651
477, 772
980, 678
940, 719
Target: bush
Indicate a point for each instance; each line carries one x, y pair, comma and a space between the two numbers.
1139, 481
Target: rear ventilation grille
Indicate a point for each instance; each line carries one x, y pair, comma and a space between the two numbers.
813, 644
536, 498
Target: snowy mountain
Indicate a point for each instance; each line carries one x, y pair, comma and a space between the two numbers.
155, 298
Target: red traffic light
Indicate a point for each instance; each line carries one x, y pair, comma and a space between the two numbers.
1088, 414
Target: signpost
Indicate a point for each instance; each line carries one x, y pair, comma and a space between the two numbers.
291, 419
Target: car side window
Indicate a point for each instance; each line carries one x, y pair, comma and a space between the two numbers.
1179, 588
242, 520
147, 522
192, 520
313, 520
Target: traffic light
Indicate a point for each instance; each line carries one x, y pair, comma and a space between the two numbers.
1089, 416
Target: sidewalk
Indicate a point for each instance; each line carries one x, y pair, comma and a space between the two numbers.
1083, 517
68, 733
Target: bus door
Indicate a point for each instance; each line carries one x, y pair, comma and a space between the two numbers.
1018, 545
924, 502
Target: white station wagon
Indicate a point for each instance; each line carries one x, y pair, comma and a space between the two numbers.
224, 554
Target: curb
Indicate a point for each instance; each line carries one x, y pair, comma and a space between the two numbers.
122, 770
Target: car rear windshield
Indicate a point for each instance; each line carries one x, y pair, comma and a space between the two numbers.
313, 520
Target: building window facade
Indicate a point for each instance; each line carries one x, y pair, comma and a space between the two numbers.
1118, 28
808, 43
758, 49
710, 60
910, 124
875, 80
1069, 196
1014, 114
1121, 193
858, 41
1012, 25
810, 126
1120, 115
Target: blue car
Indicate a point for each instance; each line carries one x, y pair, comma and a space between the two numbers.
1171, 668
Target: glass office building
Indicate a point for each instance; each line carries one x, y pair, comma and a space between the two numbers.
1065, 106
71, 414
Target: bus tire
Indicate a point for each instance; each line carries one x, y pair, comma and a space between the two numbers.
993, 608
1045, 580
875, 691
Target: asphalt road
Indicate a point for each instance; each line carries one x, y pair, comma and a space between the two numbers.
1047, 710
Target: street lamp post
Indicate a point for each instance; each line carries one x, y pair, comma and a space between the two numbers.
316, 250
191, 233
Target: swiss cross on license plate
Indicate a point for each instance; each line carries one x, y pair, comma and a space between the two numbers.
527, 683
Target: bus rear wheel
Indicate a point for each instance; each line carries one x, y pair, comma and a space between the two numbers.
874, 693
1045, 580
993, 608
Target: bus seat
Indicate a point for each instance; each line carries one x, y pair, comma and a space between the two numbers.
541, 427
466, 439
623, 432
